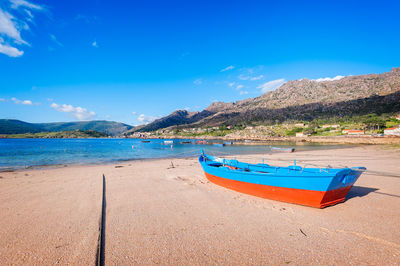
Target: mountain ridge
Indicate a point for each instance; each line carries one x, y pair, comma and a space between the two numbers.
14, 126
369, 93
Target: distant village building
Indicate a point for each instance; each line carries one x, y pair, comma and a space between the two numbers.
300, 134
355, 132
261, 128
140, 135
332, 126
300, 125
393, 131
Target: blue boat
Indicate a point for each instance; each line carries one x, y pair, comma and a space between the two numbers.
219, 144
315, 187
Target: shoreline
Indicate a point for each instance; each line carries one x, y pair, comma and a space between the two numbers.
344, 139
386, 140
7, 169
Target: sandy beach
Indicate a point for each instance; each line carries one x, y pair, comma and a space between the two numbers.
159, 214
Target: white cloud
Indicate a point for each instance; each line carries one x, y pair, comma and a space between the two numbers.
54, 39
247, 77
146, 119
243, 77
10, 51
134, 113
77, 112
11, 26
30, 15
8, 28
24, 102
238, 87
271, 85
95, 44
22, 3
243, 92
198, 81
227, 68
3, 100
231, 84
257, 77
329, 79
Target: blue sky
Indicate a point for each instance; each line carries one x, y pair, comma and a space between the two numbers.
133, 61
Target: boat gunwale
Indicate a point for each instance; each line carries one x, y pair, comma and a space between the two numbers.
294, 172
297, 174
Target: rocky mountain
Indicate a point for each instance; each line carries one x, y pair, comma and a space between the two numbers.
12, 126
300, 100
179, 117
301, 92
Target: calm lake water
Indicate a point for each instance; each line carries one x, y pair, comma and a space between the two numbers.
24, 153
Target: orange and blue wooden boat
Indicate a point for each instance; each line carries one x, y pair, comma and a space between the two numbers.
315, 187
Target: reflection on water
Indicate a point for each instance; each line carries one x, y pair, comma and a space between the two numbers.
23, 153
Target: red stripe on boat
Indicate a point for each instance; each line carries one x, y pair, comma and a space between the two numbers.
318, 199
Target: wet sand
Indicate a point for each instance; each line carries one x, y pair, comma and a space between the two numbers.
158, 214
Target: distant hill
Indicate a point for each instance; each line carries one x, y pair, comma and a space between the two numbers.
59, 135
299, 100
12, 126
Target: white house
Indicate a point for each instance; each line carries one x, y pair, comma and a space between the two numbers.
300, 125
393, 131
355, 132
332, 126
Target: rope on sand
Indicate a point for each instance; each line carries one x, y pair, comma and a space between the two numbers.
101, 242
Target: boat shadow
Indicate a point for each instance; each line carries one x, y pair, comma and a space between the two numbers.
357, 191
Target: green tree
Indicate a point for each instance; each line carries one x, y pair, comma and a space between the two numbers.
222, 127
373, 121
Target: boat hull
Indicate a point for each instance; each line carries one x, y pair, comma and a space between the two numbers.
312, 198
315, 187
